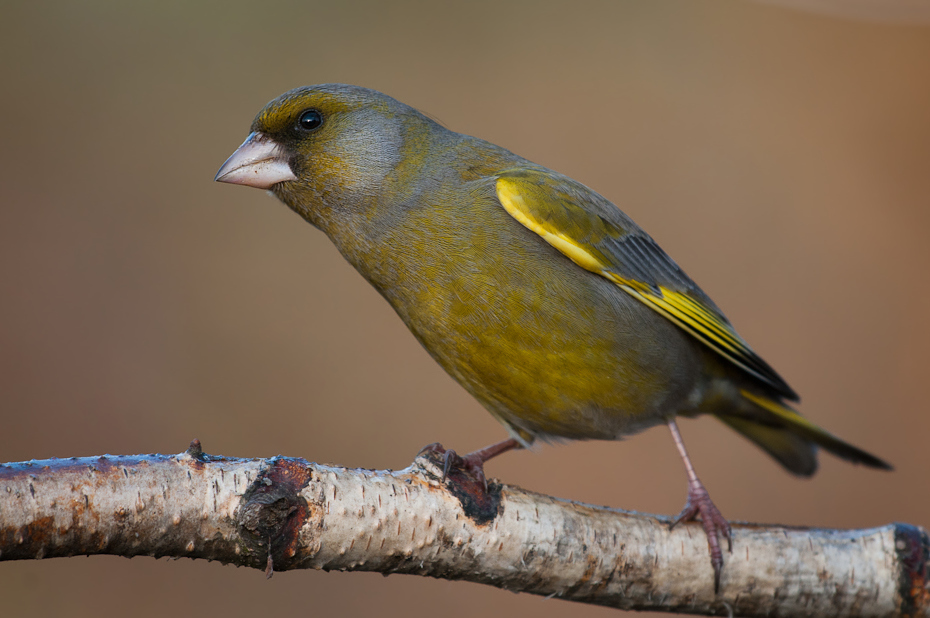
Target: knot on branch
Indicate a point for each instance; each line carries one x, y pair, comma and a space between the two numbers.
912, 546
195, 450
272, 510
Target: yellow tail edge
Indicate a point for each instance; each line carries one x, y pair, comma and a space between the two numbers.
796, 424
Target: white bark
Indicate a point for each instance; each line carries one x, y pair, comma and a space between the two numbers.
411, 521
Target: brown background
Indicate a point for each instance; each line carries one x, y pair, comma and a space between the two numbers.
782, 158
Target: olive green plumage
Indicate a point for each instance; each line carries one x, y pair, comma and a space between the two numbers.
539, 296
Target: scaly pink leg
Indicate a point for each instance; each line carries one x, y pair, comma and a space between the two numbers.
699, 503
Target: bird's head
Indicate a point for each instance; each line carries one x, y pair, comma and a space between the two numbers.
325, 146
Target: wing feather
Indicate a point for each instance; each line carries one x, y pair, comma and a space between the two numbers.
597, 236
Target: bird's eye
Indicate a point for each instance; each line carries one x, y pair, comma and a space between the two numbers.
309, 120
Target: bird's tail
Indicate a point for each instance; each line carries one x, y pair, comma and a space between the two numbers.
790, 438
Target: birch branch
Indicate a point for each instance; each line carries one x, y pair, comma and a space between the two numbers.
282, 513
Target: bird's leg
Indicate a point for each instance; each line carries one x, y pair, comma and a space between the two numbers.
699, 503
474, 461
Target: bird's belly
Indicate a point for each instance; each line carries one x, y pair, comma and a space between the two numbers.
584, 363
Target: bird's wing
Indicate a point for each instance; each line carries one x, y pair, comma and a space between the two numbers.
597, 236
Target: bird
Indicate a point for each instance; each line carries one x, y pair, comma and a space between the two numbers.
544, 300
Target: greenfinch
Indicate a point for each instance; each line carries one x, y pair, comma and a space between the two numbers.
540, 297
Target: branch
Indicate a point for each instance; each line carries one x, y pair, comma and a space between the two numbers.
281, 513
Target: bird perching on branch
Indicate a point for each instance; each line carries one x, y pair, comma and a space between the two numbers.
539, 296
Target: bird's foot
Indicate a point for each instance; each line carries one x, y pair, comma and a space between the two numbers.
713, 522
470, 464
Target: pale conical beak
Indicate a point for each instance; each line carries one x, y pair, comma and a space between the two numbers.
259, 162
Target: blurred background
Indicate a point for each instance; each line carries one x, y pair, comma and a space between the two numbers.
781, 157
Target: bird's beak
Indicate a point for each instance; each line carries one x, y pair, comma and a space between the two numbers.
259, 162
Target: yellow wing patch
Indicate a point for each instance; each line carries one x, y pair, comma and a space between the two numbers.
513, 202
565, 227
699, 322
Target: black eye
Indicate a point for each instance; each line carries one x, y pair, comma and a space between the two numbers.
309, 120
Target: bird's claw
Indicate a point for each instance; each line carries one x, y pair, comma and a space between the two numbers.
471, 464
713, 522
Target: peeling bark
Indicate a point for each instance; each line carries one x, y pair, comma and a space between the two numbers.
282, 513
